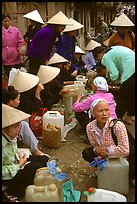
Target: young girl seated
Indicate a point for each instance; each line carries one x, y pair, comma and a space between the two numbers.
81, 108
17, 173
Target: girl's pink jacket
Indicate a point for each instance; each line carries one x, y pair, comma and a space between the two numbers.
12, 41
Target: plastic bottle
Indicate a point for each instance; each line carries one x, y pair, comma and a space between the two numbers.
115, 176
47, 193
102, 195
44, 177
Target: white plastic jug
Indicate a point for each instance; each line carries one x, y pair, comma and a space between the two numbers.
101, 195
80, 87
48, 193
115, 176
44, 177
53, 118
12, 74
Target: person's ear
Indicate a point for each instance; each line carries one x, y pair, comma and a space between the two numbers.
10, 102
92, 113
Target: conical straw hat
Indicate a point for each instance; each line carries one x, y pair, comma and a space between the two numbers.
92, 44
106, 42
11, 115
60, 18
78, 50
75, 25
122, 20
56, 58
47, 73
24, 81
35, 16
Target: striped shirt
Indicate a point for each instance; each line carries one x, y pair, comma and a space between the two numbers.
99, 137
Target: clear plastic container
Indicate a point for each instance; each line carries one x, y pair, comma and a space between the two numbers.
101, 195
115, 176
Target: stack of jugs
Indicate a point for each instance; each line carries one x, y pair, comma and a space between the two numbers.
54, 118
115, 176
102, 195
44, 177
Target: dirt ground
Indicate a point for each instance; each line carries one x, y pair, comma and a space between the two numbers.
72, 163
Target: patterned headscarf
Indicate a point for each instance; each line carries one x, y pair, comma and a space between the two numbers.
95, 102
101, 83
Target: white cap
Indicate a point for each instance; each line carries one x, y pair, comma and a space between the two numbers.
60, 18
122, 20
56, 58
78, 50
47, 73
75, 26
92, 44
35, 16
24, 81
12, 115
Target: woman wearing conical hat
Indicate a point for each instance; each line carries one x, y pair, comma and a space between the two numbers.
17, 173
78, 61
40, 49
123, 36
66, 47
36, 23
30, 96
89, 58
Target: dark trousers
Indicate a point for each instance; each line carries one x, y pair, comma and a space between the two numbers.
17, 185
34, 65
126, 100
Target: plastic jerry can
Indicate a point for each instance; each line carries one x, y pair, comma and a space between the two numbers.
115, 176
53, 118
80, 87
44, 177
102, 195
12, 74
48, 193
51, 135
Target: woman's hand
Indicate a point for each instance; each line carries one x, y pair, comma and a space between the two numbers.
102, 151
39, 88
22, 161
79, 97
64, 91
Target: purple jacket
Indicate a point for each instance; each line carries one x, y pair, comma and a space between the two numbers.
12, 41
85, 105
42, 44
66, 47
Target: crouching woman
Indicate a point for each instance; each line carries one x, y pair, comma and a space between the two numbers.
100, 135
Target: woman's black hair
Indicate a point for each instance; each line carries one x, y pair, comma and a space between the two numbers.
5, 15
9, 93
100, 49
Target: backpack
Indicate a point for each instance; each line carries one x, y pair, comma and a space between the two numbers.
131, 157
